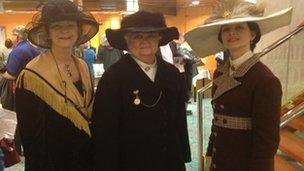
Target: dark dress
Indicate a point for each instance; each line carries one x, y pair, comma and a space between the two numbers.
252, 94
130, 137
52, 131
51, 142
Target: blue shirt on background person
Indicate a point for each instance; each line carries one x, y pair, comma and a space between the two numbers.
21, 54
89, 56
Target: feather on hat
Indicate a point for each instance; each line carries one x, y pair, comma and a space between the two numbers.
203, 39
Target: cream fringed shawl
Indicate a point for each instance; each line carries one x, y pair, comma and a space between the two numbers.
41, 77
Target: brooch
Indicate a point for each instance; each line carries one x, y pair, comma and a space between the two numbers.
136, 100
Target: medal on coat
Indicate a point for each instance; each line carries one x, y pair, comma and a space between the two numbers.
136, 100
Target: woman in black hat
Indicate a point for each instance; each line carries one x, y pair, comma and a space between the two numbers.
139, 119
54, 92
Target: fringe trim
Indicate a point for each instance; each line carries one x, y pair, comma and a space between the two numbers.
31, 82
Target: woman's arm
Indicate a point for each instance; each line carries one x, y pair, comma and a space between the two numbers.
31, 124
182, 122
105, 123
266, 123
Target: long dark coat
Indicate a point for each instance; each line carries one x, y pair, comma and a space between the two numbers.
129, 137
251, 92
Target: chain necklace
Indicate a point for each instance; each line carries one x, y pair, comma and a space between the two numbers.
68, 72
138, 101
64, 86
67, 69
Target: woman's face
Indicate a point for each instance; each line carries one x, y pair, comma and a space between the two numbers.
63, 34
237, 36
143, 45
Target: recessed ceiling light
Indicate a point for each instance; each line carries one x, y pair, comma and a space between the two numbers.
195, 2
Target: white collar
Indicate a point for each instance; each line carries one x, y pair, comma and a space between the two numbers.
149, 69
145, 65
237, 62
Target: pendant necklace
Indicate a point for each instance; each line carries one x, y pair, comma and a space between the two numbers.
67, 69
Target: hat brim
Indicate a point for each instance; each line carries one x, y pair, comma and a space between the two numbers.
204, 39
117, 40
38, 35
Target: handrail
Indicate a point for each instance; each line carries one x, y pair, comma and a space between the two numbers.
292, 114
201, 92
281, 40
200, 123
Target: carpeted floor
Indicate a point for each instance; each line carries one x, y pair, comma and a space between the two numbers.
192, 128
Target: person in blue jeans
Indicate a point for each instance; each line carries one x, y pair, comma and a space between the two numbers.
89, 56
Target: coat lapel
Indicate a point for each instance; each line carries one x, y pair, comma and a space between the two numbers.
226, 82
148, 90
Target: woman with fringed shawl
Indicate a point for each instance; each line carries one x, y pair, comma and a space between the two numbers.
54, 92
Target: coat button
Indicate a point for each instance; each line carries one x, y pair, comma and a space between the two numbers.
214, 150
222, 106
214, 166
215, 134
224, 121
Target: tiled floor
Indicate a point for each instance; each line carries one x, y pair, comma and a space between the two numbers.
192, 128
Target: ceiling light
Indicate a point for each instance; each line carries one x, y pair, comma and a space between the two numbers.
195, 2
252, 1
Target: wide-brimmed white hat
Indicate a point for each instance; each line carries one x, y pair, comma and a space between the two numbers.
204, 39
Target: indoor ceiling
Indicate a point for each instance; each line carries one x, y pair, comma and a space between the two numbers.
165, 6
90, 5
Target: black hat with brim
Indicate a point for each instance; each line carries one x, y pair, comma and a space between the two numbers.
60, 10
141, 22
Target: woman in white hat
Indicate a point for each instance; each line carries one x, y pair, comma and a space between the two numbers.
246, 95
54, 92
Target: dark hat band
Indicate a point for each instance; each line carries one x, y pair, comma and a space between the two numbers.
144, 29
60, 17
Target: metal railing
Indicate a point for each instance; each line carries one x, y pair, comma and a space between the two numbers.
292, 114
200, 122
200, 94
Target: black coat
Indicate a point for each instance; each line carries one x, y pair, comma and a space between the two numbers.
251, 92
51, 142
129, 137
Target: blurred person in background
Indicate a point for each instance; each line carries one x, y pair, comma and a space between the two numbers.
89, 57
21, 54
5, 50
108, 55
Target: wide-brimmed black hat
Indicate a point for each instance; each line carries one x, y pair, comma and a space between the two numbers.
143, 22
60, 10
